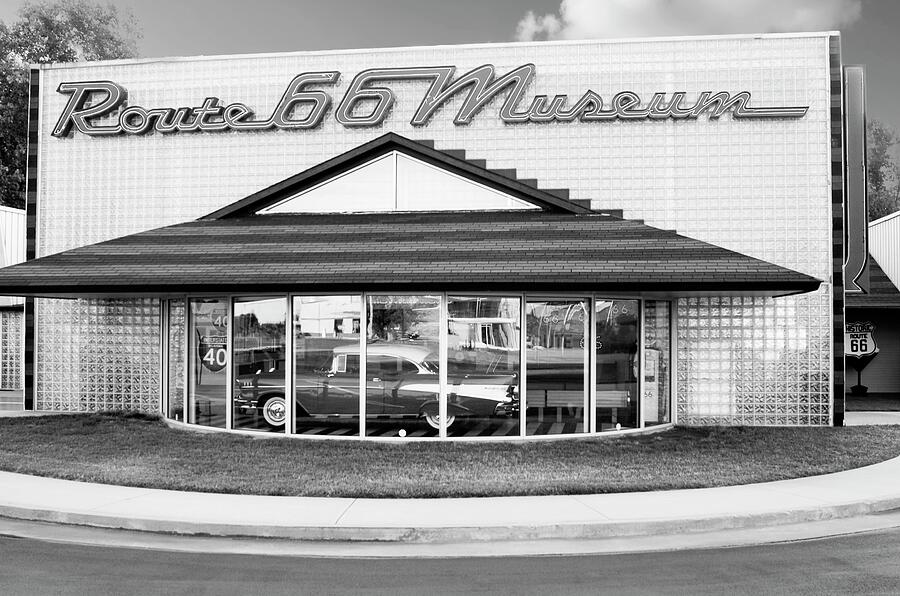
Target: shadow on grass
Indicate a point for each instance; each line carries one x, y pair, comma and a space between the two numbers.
140, 450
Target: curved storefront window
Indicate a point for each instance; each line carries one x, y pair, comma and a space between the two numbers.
617, 363
175, 358
326, 365
483, 366
208, 389
556, 398
657, 363
420, 366
403, 371
258, 346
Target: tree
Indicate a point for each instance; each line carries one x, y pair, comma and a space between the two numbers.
61, 31
883, 170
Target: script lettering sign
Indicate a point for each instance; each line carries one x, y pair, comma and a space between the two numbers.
100, 108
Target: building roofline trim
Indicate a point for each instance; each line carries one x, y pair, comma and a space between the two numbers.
395, 49
887, 217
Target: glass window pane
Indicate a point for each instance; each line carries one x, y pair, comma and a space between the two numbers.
482, 366
617, 363
556, 371
177, 336
367, 188
402, 365
657, 345
423, 187
326, 365
208, 359
259, 363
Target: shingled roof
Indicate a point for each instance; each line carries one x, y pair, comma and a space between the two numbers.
882, 291
395, 252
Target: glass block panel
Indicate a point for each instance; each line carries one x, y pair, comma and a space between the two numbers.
11, 349
657, 363
177, 330
98, 355
771, 369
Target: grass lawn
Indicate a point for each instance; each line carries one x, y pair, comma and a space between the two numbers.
139, 451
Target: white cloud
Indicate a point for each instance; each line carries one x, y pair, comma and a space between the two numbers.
581, 19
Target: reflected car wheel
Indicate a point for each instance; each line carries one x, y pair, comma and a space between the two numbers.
274, 411
434, 420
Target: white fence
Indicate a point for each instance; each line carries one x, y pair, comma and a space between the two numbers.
12, 243
12, 251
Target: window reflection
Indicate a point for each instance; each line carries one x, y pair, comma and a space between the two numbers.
617, 363
402, 365
208, 357
657, 345
326, 364
482, 366
556, 380
259, 362
402, 358
177, 335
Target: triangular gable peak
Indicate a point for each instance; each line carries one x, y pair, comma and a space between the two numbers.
393, 173
395, 181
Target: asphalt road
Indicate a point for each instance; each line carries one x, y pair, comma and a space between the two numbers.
857, 564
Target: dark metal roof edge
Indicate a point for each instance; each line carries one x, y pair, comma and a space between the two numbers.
671, 289
873, 304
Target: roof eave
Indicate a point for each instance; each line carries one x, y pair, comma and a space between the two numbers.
659, 291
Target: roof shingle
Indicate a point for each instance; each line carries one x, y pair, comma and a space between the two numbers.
453, 251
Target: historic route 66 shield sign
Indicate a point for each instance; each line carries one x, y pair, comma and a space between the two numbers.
859, 341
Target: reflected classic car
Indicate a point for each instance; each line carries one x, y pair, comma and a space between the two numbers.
402, 380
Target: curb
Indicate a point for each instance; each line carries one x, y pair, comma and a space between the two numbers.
457, 534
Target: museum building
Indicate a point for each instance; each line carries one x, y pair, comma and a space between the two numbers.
476, 241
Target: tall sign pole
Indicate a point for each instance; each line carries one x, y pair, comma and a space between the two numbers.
856, 239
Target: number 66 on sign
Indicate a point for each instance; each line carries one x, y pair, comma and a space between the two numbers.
859, 341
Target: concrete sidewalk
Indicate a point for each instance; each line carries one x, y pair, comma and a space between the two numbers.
847, 494
870, 418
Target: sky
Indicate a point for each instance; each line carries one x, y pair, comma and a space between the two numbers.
870, 28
